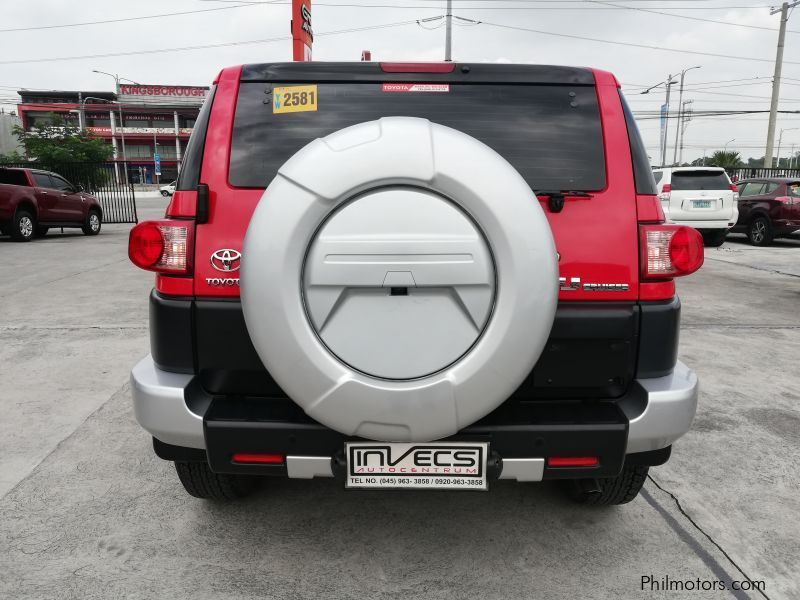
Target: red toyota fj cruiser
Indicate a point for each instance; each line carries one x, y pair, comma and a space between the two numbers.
415, 276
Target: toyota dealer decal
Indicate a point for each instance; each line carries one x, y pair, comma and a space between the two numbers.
416, 87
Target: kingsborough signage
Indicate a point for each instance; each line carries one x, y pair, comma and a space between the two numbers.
163, 94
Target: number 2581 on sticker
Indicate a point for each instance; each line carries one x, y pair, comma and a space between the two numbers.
296, 98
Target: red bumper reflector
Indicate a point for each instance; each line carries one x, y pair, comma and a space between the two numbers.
572, 461
258, 459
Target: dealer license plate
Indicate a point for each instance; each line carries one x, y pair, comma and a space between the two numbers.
701, 203
433, 465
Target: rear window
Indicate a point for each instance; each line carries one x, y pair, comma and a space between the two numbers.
11, 177
700, 180
550, 134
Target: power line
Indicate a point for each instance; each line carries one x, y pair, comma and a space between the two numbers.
629, 44
205, 46
658, 12
124, 19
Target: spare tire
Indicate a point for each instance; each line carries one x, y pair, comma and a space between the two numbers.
398, 280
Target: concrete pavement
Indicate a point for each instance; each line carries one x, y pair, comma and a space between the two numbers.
87, 511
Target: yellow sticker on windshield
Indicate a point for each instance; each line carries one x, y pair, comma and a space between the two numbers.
297, 98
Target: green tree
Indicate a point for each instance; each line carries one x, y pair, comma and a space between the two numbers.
725, 159
59, 143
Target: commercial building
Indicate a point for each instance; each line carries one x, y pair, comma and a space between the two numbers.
139, 122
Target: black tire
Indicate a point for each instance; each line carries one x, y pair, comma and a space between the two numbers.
92, 226
23, 226
714, 238
164, 193
201, 482
613, 490
760, 232
42, 231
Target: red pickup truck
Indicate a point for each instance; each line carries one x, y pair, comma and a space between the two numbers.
32, 201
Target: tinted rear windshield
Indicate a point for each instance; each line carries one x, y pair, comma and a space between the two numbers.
700, 180
13, 177
550, 134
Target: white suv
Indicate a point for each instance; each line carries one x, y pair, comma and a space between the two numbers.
700, 197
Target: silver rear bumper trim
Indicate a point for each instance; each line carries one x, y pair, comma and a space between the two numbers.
670, 410
160, 407
308, 467
522, 469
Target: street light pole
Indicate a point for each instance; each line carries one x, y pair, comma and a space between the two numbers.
680, 113
776, 80
725, 148
780, 141
117, 79
663, 145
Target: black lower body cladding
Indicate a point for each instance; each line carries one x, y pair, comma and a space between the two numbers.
595, 349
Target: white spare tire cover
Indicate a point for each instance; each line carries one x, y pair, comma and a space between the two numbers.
399, 280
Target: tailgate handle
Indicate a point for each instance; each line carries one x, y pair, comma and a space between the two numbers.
201, 210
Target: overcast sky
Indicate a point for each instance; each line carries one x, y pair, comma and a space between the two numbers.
720, 84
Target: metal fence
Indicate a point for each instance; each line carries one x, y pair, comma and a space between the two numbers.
106, 181
752, 172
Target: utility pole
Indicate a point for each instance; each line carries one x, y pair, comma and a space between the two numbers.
666, 123
448, 36
665, 118
686, 116
776, 80
680, 114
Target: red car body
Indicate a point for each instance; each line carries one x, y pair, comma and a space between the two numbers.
50, 199
768, 208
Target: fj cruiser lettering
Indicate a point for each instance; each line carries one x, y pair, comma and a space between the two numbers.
420, 276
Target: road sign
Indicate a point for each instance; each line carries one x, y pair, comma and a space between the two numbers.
157, 163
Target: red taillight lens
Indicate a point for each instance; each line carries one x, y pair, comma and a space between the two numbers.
670, 251
788, 200
667, 189
258, 459
734, 188
573, 461
161, 246
145, 245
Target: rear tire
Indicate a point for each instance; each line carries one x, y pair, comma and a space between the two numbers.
23, 226
714, 238
93, 223
760, 232
164, 193
201, 482
613, 490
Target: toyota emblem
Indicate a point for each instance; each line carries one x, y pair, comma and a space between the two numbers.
226, 260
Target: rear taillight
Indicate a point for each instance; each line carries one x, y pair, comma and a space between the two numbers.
670, 251
161, 246
788, 200
734, 189
664, 195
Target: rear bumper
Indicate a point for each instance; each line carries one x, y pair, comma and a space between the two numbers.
710, 224
177, 412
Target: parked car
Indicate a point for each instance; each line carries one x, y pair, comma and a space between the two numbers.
32, 201
768, 208
700, 197
168, 190
355, 278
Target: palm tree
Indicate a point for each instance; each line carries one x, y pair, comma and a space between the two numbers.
725, 159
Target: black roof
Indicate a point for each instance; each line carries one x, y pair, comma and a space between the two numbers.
371, 71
